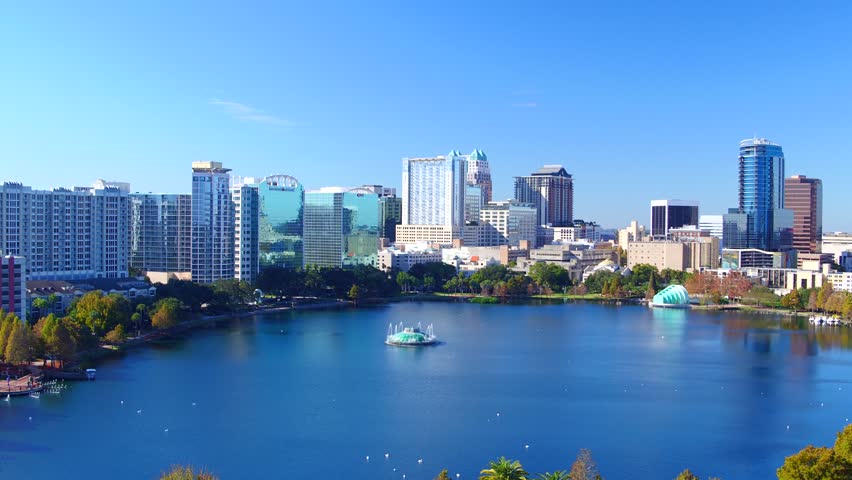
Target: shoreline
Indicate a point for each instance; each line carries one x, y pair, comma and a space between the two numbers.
92, 356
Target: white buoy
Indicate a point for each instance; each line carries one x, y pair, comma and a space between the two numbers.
420, 461
30, 419
166, 430
387, 455
498, 414
193, 404
368, 458
526, 447
139, 411
788, 427
122, 402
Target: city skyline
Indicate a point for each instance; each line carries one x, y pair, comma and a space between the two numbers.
551, 88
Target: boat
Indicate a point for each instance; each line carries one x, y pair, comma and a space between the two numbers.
8, 398
401, 336
35, 394
90, 373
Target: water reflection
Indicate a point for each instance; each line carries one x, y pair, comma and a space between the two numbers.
669, 322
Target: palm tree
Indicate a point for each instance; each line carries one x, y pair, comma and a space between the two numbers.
557, 475
504, 469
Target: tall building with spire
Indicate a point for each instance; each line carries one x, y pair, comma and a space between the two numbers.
479, 173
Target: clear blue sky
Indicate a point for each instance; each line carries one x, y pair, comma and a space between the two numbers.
639, 100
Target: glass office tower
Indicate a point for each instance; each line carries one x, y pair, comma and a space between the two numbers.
282, 204
761, 191
360, 228
341, 228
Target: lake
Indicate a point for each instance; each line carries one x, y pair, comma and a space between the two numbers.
312, 394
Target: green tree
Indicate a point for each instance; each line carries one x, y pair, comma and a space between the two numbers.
503, 469
166, 313
62, 343
843, 444
791, 300
100, 312
7, 324
444, 475
116, 335
824, 294
557, 475
187, 473
584, 467
814, 463
18, 345
812, 300
687, 475
550, 275
652, 288
355, 293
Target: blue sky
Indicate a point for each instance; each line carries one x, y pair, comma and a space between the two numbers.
638, 100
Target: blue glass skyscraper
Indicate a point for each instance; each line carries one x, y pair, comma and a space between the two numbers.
761, 197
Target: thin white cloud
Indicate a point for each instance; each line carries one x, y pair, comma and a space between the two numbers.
525, 105
247, 113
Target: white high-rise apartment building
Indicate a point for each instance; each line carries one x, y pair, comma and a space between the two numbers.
246, 232
212, 223
161, 232
433, 190
67, 234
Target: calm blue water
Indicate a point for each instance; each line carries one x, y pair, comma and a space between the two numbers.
649, 392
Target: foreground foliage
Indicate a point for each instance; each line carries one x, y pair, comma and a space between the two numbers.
187, 473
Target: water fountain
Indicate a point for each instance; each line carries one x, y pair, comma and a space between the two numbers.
402, 336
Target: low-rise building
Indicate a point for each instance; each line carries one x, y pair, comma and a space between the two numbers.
813, 261
402, 260
686, 253
440, 234
580, 231
840, 280
574, 257
738, 258
13, 285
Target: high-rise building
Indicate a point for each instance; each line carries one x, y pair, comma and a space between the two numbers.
341, 227
282, 210
246, 204
161, 232
13, 285
551, 191
507, 223
668, 214
803, 196
714, 224
390, 215
212, 223
66, 234
473, 203
761, 198
479, 173
433, 191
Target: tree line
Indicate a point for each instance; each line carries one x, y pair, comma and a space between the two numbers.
810, 463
